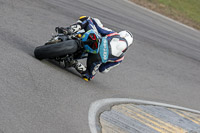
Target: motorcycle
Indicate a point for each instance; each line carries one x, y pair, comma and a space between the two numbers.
68, 47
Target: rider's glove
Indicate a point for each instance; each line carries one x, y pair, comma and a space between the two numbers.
68, 31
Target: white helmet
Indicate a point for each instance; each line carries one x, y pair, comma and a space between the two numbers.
127, 35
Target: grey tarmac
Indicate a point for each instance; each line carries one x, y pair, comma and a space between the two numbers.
41, 97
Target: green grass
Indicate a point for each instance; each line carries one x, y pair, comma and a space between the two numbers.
189, 8
185, 9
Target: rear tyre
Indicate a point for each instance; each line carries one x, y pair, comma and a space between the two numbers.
56, 50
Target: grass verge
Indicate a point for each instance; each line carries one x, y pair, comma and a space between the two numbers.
184, 11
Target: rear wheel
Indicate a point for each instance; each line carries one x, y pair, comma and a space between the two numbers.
56, 50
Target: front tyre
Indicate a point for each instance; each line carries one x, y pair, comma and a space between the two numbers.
56, 50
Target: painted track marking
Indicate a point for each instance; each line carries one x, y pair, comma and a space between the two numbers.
148, 119
188, 116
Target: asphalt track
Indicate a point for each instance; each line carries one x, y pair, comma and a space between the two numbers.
40, 97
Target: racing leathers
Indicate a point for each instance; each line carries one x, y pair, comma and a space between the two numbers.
116, 48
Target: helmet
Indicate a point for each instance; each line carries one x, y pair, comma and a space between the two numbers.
127, 35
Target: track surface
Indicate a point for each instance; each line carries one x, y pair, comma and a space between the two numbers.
40, 97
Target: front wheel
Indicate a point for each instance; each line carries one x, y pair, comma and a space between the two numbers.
56, 50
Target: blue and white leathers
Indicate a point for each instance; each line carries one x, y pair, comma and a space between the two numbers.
104, 50
111, 50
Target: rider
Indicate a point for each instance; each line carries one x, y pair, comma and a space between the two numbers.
118, 43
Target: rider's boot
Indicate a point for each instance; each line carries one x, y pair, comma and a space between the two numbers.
78, 66
81, 69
